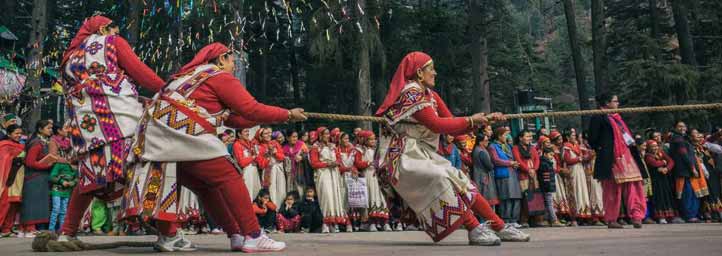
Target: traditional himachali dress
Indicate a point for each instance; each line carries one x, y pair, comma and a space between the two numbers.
715, 178
438, 193
711, 203
329, 185
560, 198
596, 197
270, 160
172, 130
179, 128
378, 211
578, 179
351, 162
245, 156
103, 108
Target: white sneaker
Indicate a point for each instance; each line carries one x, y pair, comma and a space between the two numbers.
372, 228
511, 234
662, 221
387, 227
335, 229
325, 229
29, 235
305, 230
399, 227
178, 243
262, 244
237, 242
349, 228
216, 231
483, 235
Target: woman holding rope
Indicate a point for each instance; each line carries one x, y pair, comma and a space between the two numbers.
205, 92
442, 199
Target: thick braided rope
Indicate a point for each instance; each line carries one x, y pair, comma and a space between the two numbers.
670, 108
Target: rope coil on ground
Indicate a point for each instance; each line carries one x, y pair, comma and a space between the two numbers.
670, 108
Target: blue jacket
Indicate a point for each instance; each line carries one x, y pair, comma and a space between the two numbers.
501, 172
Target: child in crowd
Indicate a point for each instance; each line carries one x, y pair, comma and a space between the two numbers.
265, 211
289, 217
311, 217
547, 182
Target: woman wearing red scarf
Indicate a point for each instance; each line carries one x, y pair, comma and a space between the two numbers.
573, 157
11, 178
660, 167
329, 183
351, 163
179, 128
270, 161
528, 158
615, 167
428, 183
378, 211
101, 74
245, 154
464, 153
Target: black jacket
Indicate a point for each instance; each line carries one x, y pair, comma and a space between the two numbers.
682, 152
290, 212
546, 177
601, 139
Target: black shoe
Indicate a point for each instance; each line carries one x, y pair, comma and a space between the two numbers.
614, 225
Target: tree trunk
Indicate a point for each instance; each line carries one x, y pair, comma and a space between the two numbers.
599, 41
479, 57
35, 64
681, 24
363, 81
654, 27
569, 11
134, 9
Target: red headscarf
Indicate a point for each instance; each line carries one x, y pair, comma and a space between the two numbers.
319, 132
206, 54
461, 138
335, 135
259, 135
405, 72
365, 134
554, 135
541, 141
90, 26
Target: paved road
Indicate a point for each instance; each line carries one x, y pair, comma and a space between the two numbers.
678, 240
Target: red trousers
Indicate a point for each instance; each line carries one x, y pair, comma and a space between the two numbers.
481, 207
216, 182
8, 212
635, 199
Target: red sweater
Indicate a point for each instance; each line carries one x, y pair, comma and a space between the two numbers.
315, 159
263, 149
134, 68
443, 122
35, 154
262, 211
358, 163
238, 147
524, 165
656, 163
225, 91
